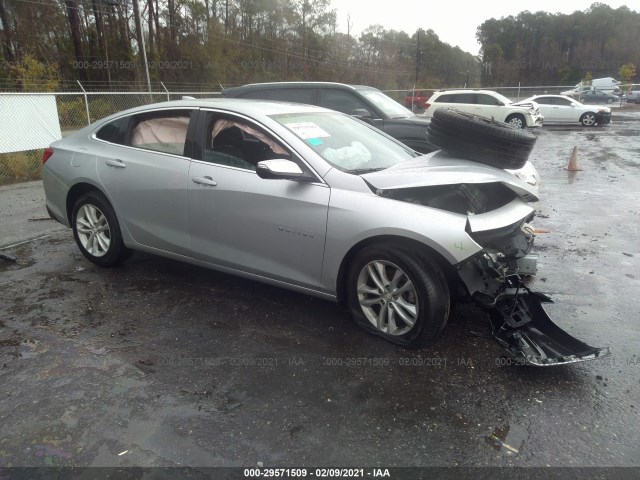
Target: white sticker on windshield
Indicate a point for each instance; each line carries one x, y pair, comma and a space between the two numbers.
307, 130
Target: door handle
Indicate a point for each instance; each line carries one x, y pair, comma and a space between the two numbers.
204, 181
115, 163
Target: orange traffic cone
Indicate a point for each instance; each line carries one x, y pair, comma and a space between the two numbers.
573, 161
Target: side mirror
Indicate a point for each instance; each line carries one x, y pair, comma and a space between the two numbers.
279, 169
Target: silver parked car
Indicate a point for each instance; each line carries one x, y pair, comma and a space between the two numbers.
312, 200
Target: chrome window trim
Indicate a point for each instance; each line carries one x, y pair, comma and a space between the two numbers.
94, 132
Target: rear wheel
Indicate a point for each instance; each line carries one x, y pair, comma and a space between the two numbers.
588, 119
392, 294
96, 230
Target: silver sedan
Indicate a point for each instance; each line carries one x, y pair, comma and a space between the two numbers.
301, 197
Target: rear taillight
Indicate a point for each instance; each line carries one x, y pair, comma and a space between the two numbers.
426, 105
46, 155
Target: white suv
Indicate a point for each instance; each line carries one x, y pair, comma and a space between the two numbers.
488, 104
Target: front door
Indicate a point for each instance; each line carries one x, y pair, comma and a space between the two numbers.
273, 228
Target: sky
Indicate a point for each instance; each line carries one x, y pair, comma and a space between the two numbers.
454, 22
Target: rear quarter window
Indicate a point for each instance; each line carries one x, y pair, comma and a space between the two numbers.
114, 132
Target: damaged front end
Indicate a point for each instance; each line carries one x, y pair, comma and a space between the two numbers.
519, 321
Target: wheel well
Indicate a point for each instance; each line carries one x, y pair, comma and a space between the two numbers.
400, 242
76, 192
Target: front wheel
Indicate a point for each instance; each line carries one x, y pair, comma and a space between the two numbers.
396, 295
516, 120
609, 100
96, 230
588, 119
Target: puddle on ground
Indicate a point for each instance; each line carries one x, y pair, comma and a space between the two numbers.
508, 438
629, 132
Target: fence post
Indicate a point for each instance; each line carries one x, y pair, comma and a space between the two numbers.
86, 101
165, 89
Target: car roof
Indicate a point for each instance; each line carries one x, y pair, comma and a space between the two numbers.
258, 109
466, 90
277, 85
552, 95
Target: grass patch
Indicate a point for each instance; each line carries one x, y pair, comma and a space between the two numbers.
20, 166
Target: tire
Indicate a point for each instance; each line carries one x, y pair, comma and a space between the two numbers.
487, 141
609, 100
421, 286
516, 120
588, 119
96, 230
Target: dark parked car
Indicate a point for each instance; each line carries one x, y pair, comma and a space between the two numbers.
633, 96
367, 103
598, 96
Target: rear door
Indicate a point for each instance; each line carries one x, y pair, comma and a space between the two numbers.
273, 228
145, 177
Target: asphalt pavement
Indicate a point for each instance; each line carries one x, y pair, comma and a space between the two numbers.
158, 363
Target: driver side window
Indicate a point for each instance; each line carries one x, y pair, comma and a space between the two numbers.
236, 143
341, 101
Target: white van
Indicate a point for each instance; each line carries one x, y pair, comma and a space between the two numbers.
606, 84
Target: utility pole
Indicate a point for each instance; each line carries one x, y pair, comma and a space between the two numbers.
417, 58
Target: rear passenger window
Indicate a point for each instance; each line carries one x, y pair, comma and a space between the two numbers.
296, 95
164, 132
444, 99
464, 98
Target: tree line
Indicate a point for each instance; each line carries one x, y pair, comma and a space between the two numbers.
50, 44
228, 42
558, 49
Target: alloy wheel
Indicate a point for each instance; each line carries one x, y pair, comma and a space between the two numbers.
93, 230
388, 297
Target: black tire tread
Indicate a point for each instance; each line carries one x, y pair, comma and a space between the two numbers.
118, 252
493, 143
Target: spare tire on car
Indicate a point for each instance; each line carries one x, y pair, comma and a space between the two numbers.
480, 139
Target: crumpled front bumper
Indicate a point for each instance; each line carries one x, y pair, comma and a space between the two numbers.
520, 323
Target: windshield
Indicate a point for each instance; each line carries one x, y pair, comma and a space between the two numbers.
344, 142
389, 106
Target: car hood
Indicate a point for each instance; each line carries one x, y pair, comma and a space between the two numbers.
441, 168
532, 104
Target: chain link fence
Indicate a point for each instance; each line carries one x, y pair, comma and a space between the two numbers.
74, 110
